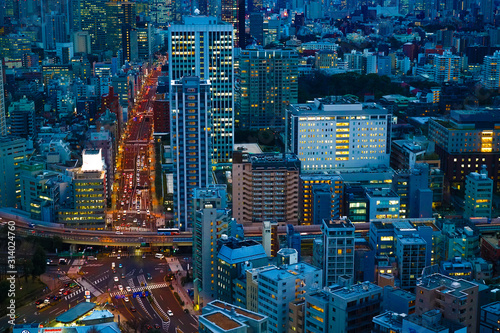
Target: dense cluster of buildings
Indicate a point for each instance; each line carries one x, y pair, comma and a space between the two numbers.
396, 190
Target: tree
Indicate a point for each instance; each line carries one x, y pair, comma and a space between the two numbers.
39, 261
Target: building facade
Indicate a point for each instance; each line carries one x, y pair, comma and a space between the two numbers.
265, 187
13, 152
478, 194
191, 143
268, 83
203, 47
211, 221
338, 132
338, 250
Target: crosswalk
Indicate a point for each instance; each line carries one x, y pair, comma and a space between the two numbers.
94, 265
105, 277
136, 289
73, 294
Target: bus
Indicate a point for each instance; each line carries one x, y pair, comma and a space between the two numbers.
168, 231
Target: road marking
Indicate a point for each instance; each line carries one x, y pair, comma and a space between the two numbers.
180, 321
61, 311
161, 298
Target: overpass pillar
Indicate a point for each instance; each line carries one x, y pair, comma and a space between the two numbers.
73, 248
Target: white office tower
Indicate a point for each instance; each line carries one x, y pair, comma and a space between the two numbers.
337, 132
191, 143
491, 78
203, 46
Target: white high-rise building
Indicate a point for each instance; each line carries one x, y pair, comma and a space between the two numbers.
447, 67
191, 143
491, 78
203, 46
338, 132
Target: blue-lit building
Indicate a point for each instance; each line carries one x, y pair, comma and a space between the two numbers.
398, 300
279, 286
191, 142
234, 258
342, 309
456, 268
293, 239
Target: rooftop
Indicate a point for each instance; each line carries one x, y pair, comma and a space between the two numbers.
390, 319
492, 308
405, 240
98, 314
447, 285
356, 290
237, 252
251, 148
75, 312
237, 310
223, 321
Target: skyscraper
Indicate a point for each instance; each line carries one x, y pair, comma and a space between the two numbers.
203, 47
191, 139
233, 11
22, 118
268, 84
90, 15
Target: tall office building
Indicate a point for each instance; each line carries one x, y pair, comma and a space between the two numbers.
3, 120
22, 118
12, 154
268, 83
338, 132
114, 21
55, 30
203, 47
212, 220
233, 11
191, 140
478, 194
88, 206
265, 187
338, 251
491, 78
90, 15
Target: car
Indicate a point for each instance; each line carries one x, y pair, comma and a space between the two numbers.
120, 266
126, 299
56, 298
148, 212
114, 271
128, 289
119, 232
148, 327
61, 291
118, 257
47, 301
116, 278
157, 326
40, 301
66, 285
66, 292
149, 277
123, 276
132, 308
120, 287
143, 256
170, 313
